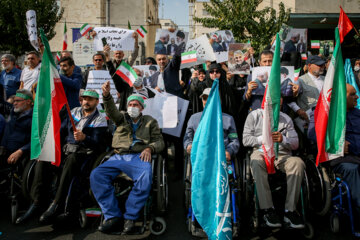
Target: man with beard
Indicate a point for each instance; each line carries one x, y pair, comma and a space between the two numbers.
81, 144
15, 144
160, 44
290, 45
10, 76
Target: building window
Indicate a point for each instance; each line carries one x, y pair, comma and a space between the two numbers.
167, 24
204, 12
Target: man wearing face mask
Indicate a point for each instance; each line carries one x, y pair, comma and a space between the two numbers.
311, 85
137, 137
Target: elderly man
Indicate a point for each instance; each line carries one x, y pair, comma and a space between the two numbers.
230, 134
81, 144
123, 87
240, 64
70, 80
137, 136
171, 48
160, 44
349, 165
310, 85
119, 55
30, 74
290, 45
293, 167
15, 144
10, 76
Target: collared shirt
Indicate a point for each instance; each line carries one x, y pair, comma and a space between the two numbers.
30, 76
10, 80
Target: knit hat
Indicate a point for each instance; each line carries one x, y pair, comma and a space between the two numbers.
138, 98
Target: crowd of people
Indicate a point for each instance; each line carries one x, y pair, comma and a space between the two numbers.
135, 137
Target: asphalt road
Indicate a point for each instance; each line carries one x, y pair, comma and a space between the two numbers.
175, 220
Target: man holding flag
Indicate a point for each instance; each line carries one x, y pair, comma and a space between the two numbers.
273, 137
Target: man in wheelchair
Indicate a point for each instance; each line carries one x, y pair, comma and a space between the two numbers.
231, 140
15, 144
291, 165
82, 144
348, 165
136, 137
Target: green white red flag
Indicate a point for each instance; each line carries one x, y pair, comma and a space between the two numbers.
271, 111
303, 56
58, 55
85, 29
65, 38
330, 111
296, 74
50, 98
315, 44
126, 72
141, 31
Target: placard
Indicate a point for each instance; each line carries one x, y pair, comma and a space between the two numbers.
96, 79
116, 38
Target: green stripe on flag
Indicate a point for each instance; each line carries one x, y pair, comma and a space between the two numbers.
143, 29
188, 53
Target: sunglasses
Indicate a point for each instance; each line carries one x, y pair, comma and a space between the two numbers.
214, 71
98, 60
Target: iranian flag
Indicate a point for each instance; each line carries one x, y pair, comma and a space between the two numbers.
65, 38
315, 44
330, 111
344, 25
296, 74
142, 31
271, 111
303, 56
188, 57
50, 98
126, 72
58, 55
85, 29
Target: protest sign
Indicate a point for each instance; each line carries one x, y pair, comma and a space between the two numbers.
182, 106
261, 75
147, 71
221, 40
116, 38
96, 79
162, 107
221, 57
239, 58
31, 28
203, 49
83, 51
168, 43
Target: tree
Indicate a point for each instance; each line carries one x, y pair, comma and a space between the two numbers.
14, 37
244, 19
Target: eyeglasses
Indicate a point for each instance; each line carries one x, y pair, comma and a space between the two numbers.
98, 60
214, 71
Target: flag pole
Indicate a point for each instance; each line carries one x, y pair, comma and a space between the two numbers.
70, 116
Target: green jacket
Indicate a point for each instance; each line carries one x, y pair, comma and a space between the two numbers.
148, 131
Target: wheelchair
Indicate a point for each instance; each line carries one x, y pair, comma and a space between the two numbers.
12, 180
277, 182
152, 215
234, 182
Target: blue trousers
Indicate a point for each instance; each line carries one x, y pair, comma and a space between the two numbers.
351, 175
101, 179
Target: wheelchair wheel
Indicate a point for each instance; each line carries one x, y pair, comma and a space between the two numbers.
334, 223
187, 182
157, 226
83, 220
308, 231
14, 210
162, 186
27, 178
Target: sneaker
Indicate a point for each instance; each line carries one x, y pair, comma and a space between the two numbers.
271, 218
294, 220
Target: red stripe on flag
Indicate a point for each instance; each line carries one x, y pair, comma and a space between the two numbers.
321, 121
188, 60
126, 78
139, 32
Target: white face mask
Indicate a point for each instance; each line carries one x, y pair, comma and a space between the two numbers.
133, 112
356, 68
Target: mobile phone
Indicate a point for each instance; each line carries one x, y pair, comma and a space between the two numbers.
104, 41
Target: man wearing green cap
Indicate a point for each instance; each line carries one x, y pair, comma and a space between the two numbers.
15, 144
137, 136
81, 144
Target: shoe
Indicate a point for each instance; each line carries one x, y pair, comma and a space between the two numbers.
128, 226
49, 213
110, 225
294, 220
271, 218
29, 213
